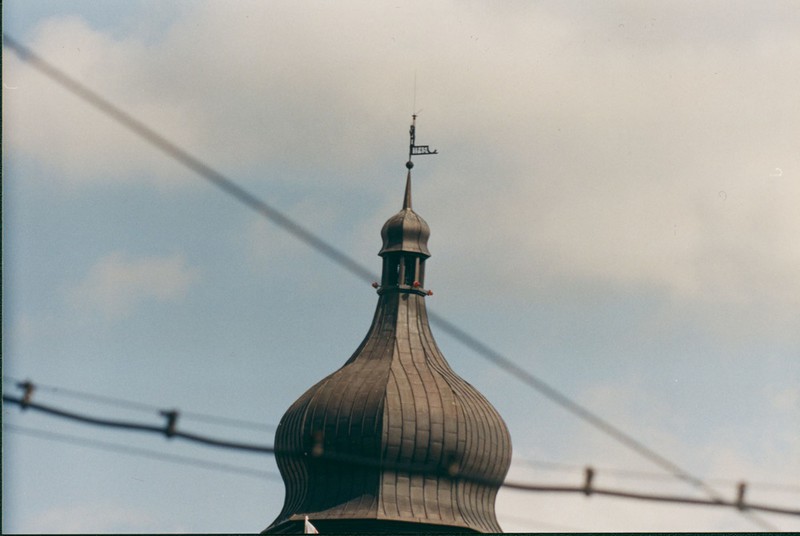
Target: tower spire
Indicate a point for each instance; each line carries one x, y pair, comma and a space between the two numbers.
407, 198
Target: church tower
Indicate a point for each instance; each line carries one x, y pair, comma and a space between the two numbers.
393, 441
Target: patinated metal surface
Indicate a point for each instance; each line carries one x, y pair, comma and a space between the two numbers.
406, 231
394, 440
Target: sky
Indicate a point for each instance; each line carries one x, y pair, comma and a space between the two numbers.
613, 208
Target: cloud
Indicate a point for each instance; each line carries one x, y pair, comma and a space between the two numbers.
263, 92
632, 147
118, 283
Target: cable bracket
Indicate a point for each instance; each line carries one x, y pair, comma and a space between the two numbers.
172, 421
28, 388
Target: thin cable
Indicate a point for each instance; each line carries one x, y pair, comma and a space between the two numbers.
744, 507
191, 162
547, 465
167, 430
772, 486
646, 475
581, 412
148, 408
412, 468
341, 258
134, 451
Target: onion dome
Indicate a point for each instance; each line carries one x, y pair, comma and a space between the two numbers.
394, 440
406, 230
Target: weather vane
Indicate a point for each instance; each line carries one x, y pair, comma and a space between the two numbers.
416, 149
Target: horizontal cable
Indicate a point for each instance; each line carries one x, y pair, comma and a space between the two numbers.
740, 505
646, 475
554, 466
167, 430
434, 468
135, 451
139, 406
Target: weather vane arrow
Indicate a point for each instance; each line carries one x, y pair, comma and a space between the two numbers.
416, 149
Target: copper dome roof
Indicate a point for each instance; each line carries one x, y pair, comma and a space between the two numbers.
406, 230
394, 440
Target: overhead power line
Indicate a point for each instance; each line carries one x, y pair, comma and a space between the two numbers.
336, 255
139, 406
117, 448
135, 451
547, 465
585, 414
205, 464
588, 491
646, 475
184, 157
239, 423
170, 430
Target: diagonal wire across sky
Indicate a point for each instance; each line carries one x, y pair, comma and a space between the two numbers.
341, 258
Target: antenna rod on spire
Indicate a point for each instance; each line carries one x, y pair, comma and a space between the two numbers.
416, 149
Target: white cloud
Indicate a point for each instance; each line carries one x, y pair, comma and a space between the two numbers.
117, 283
633, 147
647, 168
77, 143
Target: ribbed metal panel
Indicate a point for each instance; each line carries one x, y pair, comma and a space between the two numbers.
398, 402
436, 451
406, 231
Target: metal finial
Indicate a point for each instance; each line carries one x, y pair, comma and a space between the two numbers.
416, 149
